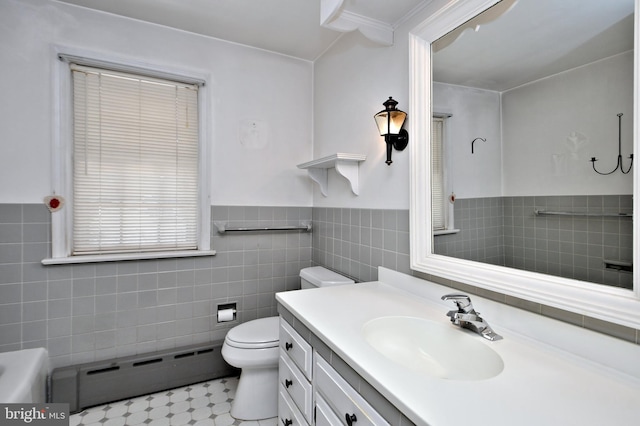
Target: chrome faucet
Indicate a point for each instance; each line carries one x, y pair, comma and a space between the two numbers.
466, 317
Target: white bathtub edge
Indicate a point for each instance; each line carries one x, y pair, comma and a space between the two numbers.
24, 376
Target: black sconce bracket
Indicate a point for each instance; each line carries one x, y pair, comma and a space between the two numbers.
401, 140
398, 142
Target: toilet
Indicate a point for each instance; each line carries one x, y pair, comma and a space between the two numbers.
253, 347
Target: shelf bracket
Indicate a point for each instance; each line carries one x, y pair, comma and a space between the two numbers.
346, 165
350, 171
321, 177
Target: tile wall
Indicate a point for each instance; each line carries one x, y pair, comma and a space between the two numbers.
505, 231
570, 246
88, 312
91, 312
355, 242
481, 236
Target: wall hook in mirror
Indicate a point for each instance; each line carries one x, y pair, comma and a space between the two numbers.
619, 164
474, 141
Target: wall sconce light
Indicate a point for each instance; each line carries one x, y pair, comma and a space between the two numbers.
390, 121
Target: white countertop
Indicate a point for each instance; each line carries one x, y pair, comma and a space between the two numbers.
541, 384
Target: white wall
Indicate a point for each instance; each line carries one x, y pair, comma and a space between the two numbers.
244, 84
351, 81
552, 128
340, 95
475, 114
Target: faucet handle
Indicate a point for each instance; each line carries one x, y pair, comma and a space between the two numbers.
462, 301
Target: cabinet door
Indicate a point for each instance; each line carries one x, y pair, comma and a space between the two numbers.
349, 406
296, 347
288, 414
324, 415
296, 385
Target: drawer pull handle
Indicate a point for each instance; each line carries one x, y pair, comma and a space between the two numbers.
287, 383
287, 422
288, 345
350, 418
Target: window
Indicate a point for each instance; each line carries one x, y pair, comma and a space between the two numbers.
135, 188
438, 205
441, 207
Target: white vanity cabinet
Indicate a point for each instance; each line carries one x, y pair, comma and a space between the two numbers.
288, 412
294, 375
324, 414
312, 392
347, 404
576, 382
297, 349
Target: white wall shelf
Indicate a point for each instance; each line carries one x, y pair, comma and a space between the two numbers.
347, 165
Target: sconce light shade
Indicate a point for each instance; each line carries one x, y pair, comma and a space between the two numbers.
390, 121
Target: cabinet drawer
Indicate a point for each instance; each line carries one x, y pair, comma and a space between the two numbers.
342, 398
296, 347
324, 415
296, 385
288, 414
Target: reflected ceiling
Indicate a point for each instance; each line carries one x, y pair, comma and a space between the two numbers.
564, 33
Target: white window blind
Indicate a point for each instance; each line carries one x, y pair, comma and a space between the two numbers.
438, 212
135, 163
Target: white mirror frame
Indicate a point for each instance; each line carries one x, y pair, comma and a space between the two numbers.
615, 305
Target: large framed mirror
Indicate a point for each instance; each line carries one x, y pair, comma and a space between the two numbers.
518, 96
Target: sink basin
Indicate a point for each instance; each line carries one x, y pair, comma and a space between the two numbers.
438, 350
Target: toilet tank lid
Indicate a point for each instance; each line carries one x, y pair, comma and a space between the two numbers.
319, 276
261, 332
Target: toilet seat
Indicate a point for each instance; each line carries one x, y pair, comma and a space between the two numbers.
256, 334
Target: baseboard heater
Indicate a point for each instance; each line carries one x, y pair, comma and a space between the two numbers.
101, 382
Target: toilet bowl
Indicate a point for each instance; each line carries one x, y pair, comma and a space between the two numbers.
253, 347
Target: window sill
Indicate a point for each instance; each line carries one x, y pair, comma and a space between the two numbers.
126, 256
445, 232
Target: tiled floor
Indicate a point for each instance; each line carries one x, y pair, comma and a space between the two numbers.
203, 404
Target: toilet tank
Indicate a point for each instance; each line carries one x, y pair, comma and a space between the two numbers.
317, 276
